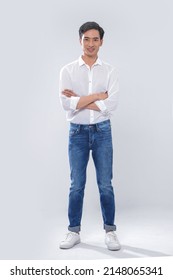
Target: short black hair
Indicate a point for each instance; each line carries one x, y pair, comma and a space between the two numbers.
91, 25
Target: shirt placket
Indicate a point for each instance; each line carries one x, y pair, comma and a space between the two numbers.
90, 86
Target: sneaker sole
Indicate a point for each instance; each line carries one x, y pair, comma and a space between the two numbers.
69, 247
114, 248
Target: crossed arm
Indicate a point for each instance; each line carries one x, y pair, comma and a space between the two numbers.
87, 102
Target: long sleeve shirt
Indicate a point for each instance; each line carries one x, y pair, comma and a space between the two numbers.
83, 80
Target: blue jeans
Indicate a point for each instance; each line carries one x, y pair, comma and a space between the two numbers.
98, 139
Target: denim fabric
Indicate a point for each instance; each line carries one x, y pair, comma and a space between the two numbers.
96, 138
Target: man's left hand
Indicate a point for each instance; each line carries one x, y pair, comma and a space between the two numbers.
69, 93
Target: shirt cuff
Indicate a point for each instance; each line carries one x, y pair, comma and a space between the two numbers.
73, 102
101, 105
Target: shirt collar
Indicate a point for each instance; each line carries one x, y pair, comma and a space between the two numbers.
82, 62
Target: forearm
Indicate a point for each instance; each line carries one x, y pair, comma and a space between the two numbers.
86, 100
92, 106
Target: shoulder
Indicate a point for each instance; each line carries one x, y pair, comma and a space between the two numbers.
110, 68
70, 66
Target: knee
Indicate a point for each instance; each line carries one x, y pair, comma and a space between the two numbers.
77, 188
106, 190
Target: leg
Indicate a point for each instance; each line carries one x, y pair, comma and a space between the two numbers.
78, 158
103, 155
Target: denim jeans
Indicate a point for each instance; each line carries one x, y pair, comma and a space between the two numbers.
98, 139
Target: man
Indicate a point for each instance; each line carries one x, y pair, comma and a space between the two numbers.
88, 93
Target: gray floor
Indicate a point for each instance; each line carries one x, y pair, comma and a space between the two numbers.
141, 233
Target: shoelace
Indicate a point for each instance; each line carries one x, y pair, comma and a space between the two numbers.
69, 236
112, 236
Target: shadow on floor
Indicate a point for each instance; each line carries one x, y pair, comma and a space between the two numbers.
125, 252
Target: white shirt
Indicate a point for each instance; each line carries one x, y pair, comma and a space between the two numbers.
83, 80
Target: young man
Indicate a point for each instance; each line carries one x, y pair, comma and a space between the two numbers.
88, 93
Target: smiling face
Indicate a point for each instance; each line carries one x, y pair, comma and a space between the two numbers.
91, 43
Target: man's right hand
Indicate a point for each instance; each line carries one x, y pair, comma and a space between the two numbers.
102, 95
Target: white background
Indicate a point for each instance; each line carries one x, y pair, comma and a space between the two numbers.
37, 38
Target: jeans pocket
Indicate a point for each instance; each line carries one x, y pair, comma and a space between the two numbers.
74, 130
105, 127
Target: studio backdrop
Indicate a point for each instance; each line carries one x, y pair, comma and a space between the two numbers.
39, 37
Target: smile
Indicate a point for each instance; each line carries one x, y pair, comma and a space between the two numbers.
91, 50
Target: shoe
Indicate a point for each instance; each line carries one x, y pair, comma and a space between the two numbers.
112, 242
72, 238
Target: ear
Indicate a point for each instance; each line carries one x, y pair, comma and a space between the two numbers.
101, 42
80, 41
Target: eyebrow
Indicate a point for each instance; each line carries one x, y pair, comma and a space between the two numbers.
85, 37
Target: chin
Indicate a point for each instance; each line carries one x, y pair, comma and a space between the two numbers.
91, 54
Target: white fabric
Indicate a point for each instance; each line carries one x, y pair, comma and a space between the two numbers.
83, 80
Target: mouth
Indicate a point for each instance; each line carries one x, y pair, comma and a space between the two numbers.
91, 50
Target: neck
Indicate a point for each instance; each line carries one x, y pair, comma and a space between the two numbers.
89, 60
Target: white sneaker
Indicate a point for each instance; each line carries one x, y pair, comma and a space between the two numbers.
72, 238
111, 241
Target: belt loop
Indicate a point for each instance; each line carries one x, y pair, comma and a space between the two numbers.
79, 127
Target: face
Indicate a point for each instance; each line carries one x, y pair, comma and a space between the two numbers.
91, 43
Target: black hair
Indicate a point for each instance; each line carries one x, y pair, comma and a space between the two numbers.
91, 25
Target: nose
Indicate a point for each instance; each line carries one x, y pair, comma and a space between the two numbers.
91, 43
